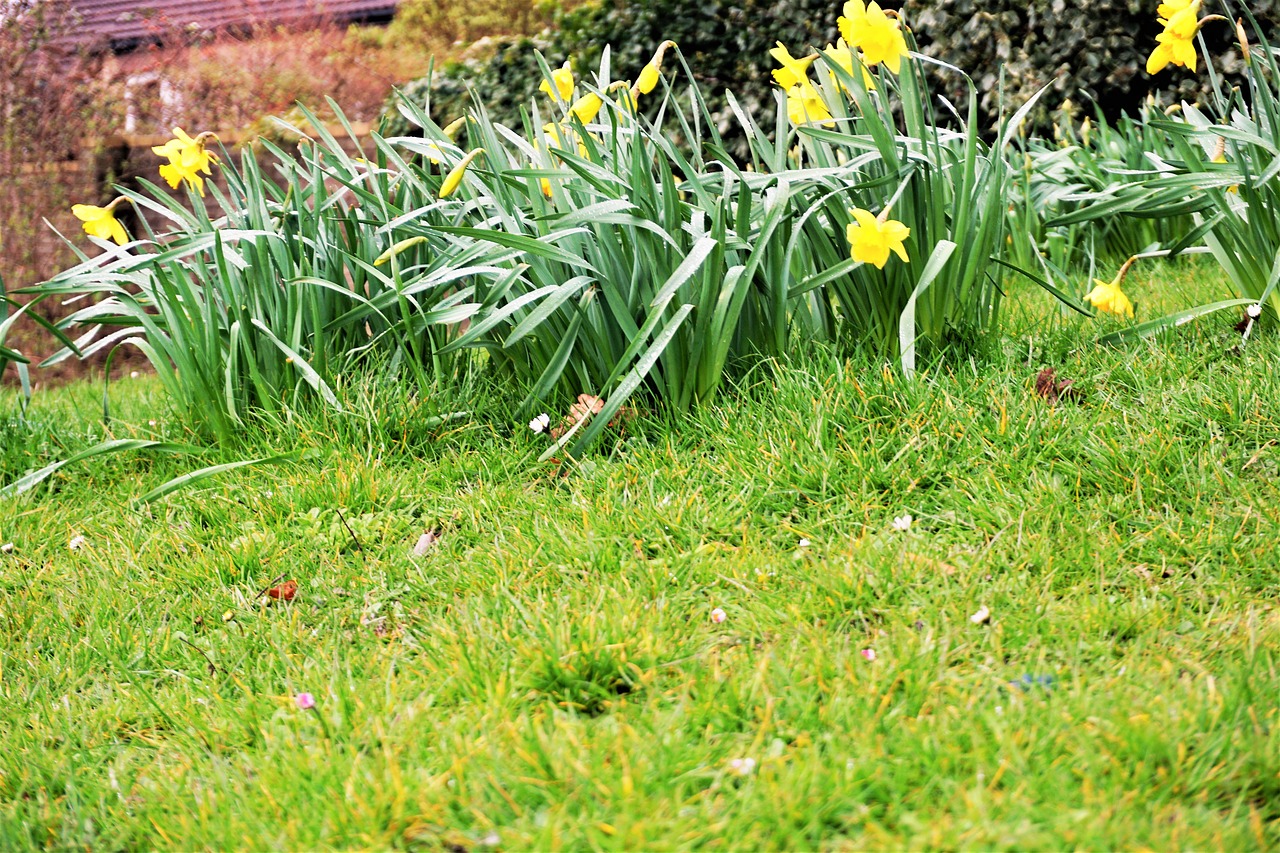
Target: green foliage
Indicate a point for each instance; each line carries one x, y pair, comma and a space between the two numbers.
467, 20
1121, 547
1089, 51
1221, 171
1083, 161
505, 79
257, 310
727, 46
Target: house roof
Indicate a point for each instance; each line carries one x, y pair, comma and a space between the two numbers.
125, 24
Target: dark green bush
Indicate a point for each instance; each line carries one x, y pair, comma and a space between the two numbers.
727, 46
1088, 50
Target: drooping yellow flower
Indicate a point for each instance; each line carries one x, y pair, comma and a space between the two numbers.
648, 79
187, 159
562, 79
587, 107
451, 129
867, 28
793, 72
1176, 44
1107, 296
1171, 50
871, 239
842, 55
652, 72
805, 104
100, 222
454, 178
545, 184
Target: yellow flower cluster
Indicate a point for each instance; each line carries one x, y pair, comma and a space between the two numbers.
1176, 44
869, 29
866, 31
561, 86
187, 159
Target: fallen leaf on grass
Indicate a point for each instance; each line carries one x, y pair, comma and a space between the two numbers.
1049, 386
284, 592
587, 406
930, 563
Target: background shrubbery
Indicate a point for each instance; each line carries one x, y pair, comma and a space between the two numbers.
1090, 50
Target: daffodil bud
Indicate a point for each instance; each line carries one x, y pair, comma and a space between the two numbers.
455, 176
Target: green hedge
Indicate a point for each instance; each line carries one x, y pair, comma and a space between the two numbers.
1089, 50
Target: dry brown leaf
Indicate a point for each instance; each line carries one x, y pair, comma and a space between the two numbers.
1050, 387
284, 592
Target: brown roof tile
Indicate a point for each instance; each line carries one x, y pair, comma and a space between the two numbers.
126, 24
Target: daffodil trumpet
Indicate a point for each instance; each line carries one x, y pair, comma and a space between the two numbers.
101, 222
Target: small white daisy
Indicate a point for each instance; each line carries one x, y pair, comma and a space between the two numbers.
77, 542
540, 423
742, 766
982, 615
902, 522
718, 615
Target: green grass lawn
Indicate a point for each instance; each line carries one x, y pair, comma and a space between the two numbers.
550, 676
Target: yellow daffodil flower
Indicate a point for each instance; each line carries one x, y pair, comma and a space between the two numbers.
842, 55
648, 79
871, 239
562, 79
187, 159
587, 107
1176, 44
1169, 8
451, 129
1107, 296
545, 183
454, 179
1171, 50
651, 73
793, 72
101, 222
804, 105
1183, 23
879, 37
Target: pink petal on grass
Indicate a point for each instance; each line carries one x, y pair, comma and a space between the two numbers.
305, 701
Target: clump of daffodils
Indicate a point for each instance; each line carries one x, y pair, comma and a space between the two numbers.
877, 34
867, 33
